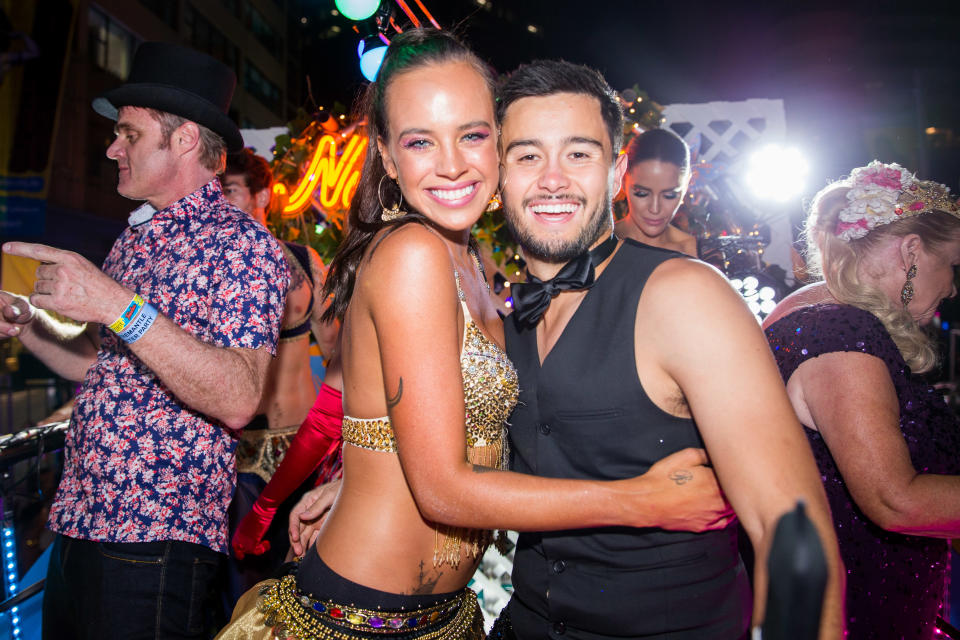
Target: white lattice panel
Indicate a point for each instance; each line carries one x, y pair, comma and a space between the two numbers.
724, 130
730, 127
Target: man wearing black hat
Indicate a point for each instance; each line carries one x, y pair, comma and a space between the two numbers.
181, 325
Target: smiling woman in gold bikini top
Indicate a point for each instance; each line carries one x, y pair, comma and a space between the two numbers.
490, 393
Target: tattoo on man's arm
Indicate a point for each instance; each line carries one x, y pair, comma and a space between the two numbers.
392, 402
681, 476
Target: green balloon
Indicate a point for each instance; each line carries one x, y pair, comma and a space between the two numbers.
357, 9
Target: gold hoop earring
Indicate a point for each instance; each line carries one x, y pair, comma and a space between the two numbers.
906, 293
495, 203
394, 212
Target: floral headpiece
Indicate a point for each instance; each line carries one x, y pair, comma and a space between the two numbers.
882, 193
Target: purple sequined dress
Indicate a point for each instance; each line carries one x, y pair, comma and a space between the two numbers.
895, 583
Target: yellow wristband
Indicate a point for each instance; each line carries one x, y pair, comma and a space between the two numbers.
128, 315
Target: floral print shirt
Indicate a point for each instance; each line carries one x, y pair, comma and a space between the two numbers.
140, 465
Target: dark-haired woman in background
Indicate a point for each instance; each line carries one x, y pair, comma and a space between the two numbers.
887, 246
427, 386
658, 174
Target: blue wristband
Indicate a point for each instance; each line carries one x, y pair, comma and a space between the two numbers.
140, 324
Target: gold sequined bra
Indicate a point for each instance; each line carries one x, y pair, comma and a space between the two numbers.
490, 393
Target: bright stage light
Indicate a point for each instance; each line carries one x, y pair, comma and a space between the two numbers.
371, 51
757, 292
776, 173
357, 9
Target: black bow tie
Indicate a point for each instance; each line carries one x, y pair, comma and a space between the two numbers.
531, 298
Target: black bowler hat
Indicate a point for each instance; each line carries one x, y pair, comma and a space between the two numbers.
181, 81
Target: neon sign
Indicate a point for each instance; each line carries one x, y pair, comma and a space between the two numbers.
329, 180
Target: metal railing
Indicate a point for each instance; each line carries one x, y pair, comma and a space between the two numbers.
25, 406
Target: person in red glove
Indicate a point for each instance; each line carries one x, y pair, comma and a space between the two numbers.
258, 519
287, 426
316, 446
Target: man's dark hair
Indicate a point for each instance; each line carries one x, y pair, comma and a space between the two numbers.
252, 167
548, 77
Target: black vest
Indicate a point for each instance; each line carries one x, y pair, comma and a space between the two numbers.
584, 414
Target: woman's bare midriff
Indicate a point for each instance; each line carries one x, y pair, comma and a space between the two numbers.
375, 535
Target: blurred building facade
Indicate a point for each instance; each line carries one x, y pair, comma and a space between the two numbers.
87, 47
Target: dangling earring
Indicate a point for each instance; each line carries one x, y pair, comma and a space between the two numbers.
906, 293
394, 212
495, 203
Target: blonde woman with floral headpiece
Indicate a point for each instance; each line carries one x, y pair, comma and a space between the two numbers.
848, 348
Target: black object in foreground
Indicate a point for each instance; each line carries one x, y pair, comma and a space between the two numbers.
947, 629
797, 570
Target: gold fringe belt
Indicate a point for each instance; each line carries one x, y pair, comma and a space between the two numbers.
287, 613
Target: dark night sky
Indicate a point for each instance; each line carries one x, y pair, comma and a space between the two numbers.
678, 52
840, 67
681, 51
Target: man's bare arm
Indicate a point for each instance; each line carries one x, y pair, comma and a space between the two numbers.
222, 383
701, 336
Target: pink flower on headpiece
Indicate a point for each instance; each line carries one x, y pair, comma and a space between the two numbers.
882, 177
843, 227
916, 206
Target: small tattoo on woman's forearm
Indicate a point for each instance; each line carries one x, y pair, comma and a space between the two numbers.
392, 402
681, 476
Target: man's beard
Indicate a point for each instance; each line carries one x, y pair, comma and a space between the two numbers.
558, 250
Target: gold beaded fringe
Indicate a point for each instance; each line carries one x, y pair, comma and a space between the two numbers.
449, 540
289, 618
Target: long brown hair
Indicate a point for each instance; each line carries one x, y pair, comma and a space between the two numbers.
412, 49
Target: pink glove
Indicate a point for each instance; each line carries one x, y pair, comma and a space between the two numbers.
319, 436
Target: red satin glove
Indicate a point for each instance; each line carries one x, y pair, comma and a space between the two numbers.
248, 538
319, 436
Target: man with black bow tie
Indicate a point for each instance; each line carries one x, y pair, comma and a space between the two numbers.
619, 346
180, 327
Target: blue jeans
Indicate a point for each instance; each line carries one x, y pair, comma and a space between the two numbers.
141, 590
